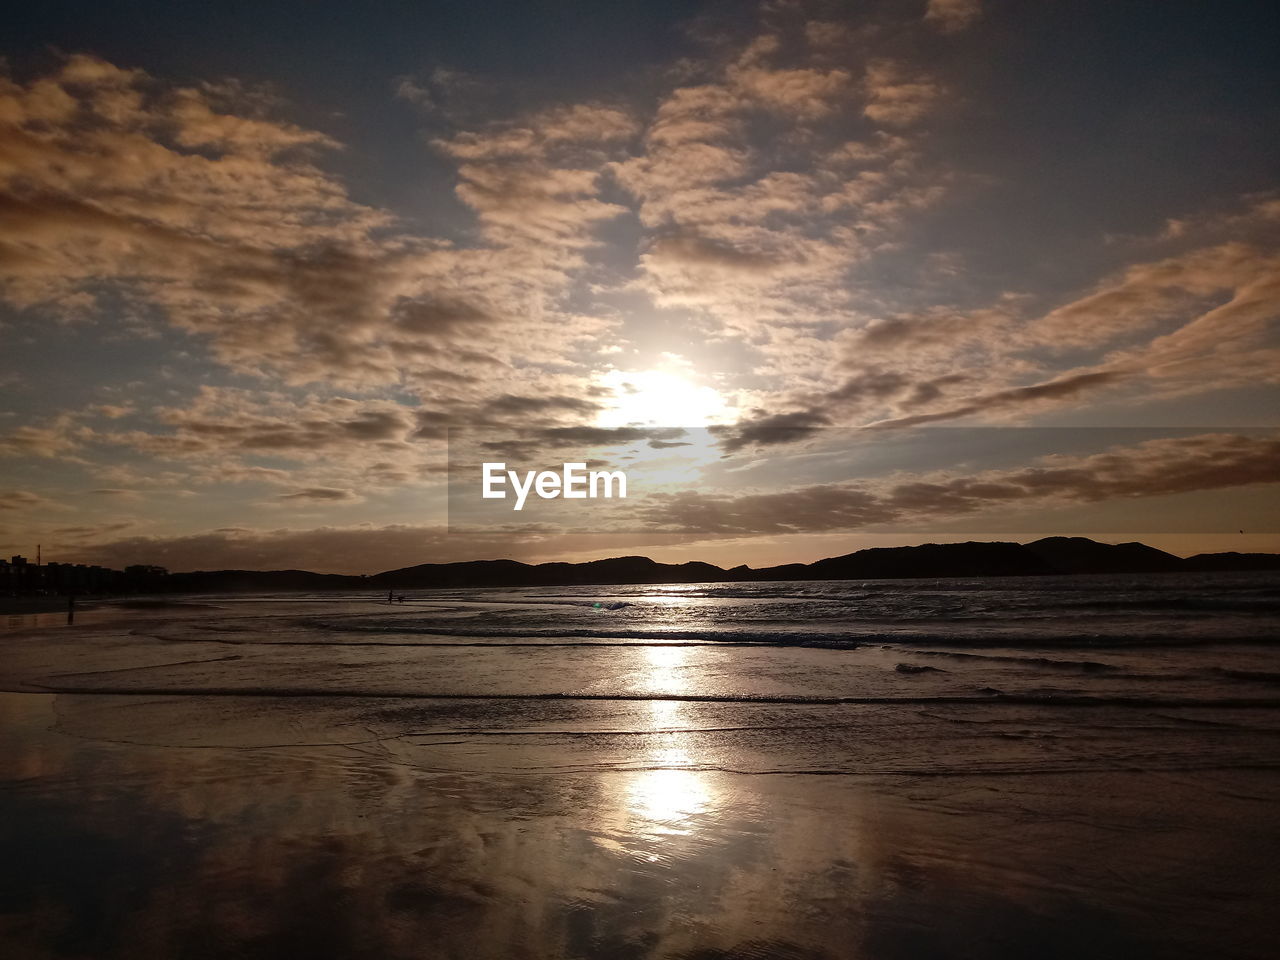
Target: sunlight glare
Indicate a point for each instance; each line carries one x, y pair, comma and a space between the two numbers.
660, 398
669, 795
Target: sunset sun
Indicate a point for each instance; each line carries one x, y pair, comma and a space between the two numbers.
660, 398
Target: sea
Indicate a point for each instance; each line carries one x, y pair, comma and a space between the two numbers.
1081, 766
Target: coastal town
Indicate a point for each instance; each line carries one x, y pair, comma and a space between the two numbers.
21, 577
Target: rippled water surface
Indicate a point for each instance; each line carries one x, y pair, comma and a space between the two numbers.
1047, 767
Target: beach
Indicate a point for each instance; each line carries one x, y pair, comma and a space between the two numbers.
780, 480
1047, 767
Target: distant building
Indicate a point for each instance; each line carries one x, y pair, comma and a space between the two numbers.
19, 577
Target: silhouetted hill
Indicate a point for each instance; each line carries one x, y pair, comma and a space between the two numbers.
512, 573
1051, 555
973, 559
466, 573
240, 581
1082, 555
630, 570
1227, 562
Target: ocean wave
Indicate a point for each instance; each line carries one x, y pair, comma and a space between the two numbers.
844, 639
1253, 676
987, 696
1087, 666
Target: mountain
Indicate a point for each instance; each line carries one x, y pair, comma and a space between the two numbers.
1224, 562
1049, 556
256, 581
512, 573
973, 559
1082, 555
466, 573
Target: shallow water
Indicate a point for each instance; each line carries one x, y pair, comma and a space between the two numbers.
771, 770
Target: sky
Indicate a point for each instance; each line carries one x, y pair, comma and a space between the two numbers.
276, 278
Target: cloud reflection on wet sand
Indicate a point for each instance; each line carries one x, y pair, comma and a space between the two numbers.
362, 849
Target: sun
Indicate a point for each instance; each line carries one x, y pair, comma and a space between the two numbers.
659, 398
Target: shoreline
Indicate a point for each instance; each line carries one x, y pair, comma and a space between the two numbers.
18, 606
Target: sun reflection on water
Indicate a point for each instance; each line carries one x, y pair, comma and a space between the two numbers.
671, 793
670, 599
669, 797
665, 671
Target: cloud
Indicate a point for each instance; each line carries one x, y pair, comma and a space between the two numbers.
520, 202
760, 232
1020, 398
235, 473
106, 176
223, 421
606, 436
895, 96
408, 89
1148, 293
799, 91
542, 134
952, 16
767, 430
91, 532
321, 495
689, 270
700, 253
54, 439
1201, 320
198, 209
534, 183
234, 436
519, 407
116, 493
1153, 468
23, 500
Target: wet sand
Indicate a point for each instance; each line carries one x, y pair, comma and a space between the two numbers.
164, 820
